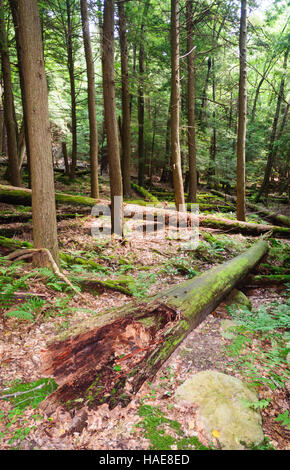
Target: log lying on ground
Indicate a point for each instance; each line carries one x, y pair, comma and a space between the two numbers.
275, 217
144, 193
234, 226
268, 279
109, 359
13, 195
26, 216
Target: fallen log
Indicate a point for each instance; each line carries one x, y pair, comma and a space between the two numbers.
108, 359
171, 217
275, 217
14, 195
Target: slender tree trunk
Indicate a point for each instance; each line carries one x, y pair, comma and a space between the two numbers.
242, 116
126, 132
36, 97
70, 64
191, 105
175, 100
202, 111
272, 150
14, 10
8, 101
65, 158
91, 101
110, 119
213, 146
141, 156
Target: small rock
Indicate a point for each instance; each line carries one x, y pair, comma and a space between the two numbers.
220, 397
236, 297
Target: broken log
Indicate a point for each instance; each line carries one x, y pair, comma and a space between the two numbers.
108, 359
275, 217
170, 217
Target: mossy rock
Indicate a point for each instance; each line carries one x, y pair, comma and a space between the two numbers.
236, 297
223, 412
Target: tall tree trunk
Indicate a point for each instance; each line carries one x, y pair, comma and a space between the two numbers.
175, 100
272, 150
126, 132
110, 119
8, 102
36, 97
70, 65
14, 10
242, 116
202, 111
141, 156
213, 146
191, 105
91, 101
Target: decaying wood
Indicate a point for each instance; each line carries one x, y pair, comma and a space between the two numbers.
275, 217
171, 217
108, 359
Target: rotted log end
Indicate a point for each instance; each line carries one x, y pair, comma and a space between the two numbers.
104, 365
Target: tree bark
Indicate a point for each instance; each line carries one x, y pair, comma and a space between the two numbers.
14, 10
116, 186
141, 155
272, 150
242, 116
36, 97
108, 360
191, 105
175, 103
8, 102
70, 65
126, 131
91, 101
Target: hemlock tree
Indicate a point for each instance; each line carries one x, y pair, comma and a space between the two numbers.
8, 105
91, 101
175, 100
35, 89
242, 116
125, 125
116, 186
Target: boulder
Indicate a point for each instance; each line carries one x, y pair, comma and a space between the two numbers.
222, 410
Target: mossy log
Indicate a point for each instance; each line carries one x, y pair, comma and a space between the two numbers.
14, 195
275, 217
268, 279
27, 216
110, 357
144, 193
233, 226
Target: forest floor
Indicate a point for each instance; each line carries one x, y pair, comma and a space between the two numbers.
37, 307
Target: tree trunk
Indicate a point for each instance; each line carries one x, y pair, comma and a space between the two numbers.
36, 98
141, 155
202, 111
65, 158
116, 186
272, 150
242, 116
108, 360
191, 105
126, 132
175, 100
70, 65
14, 10
8, 102
91, 101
